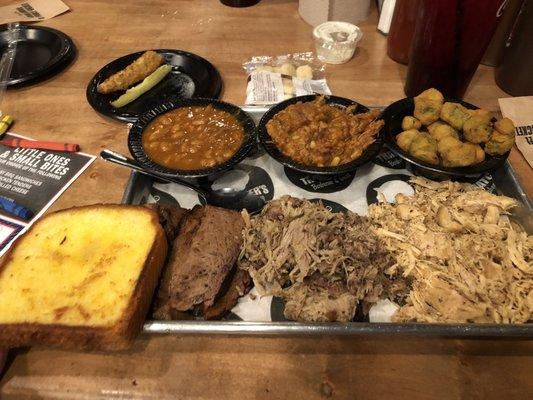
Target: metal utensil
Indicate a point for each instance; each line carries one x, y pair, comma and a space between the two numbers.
224, 197
8, 58
119, 159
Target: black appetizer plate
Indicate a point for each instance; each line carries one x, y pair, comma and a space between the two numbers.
137, 149
191, 76
40, 53
393, 116
271, 148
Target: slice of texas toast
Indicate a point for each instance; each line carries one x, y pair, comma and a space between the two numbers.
81, 278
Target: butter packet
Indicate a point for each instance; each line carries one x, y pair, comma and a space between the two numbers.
274, 79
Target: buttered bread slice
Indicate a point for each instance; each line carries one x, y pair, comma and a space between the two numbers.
82, 278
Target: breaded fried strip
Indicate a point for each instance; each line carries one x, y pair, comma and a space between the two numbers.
133, 73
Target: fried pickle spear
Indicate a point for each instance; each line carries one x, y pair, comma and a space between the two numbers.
133, 73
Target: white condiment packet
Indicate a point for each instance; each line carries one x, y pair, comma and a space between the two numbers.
520, 111
266, 88
303, 87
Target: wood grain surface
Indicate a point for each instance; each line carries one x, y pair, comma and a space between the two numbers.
216, 367
280, 368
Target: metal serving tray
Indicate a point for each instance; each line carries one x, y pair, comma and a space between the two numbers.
503, 181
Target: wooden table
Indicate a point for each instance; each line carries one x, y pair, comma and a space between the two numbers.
208, 367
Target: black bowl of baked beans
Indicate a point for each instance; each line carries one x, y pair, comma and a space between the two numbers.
192, 138
321, 135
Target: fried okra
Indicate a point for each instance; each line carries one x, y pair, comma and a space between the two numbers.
404, 139
435, 125
499, 143
428, 106
455, 153
505, 126
480, 154
484, 115
502, 138
455, 114
456, 136
477, 130
447, 144
424, 147
441, 131
409, 122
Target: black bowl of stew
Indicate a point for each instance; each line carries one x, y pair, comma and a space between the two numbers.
274, 150
192, 138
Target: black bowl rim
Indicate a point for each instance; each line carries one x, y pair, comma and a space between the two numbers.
137, 130
470, 171
270, 147
60, 61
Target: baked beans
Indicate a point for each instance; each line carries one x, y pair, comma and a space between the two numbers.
191, 138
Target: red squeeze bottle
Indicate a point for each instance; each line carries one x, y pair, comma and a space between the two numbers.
449, 41
402, 29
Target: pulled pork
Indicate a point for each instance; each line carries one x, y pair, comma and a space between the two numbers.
321, 263
469, 263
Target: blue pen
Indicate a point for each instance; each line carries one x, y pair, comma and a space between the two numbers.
13, 208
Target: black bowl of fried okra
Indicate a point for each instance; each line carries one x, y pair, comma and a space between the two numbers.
445, 138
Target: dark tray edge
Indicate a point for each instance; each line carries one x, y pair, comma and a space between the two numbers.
338, 329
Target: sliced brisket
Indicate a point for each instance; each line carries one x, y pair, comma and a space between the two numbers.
203, 253
170, 217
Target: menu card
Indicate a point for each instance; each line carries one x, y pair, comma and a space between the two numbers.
518, 109
33, 179
34, 10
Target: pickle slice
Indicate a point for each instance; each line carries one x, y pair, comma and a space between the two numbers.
138, 90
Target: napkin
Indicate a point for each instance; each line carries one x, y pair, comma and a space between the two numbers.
520, 111
33, 10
